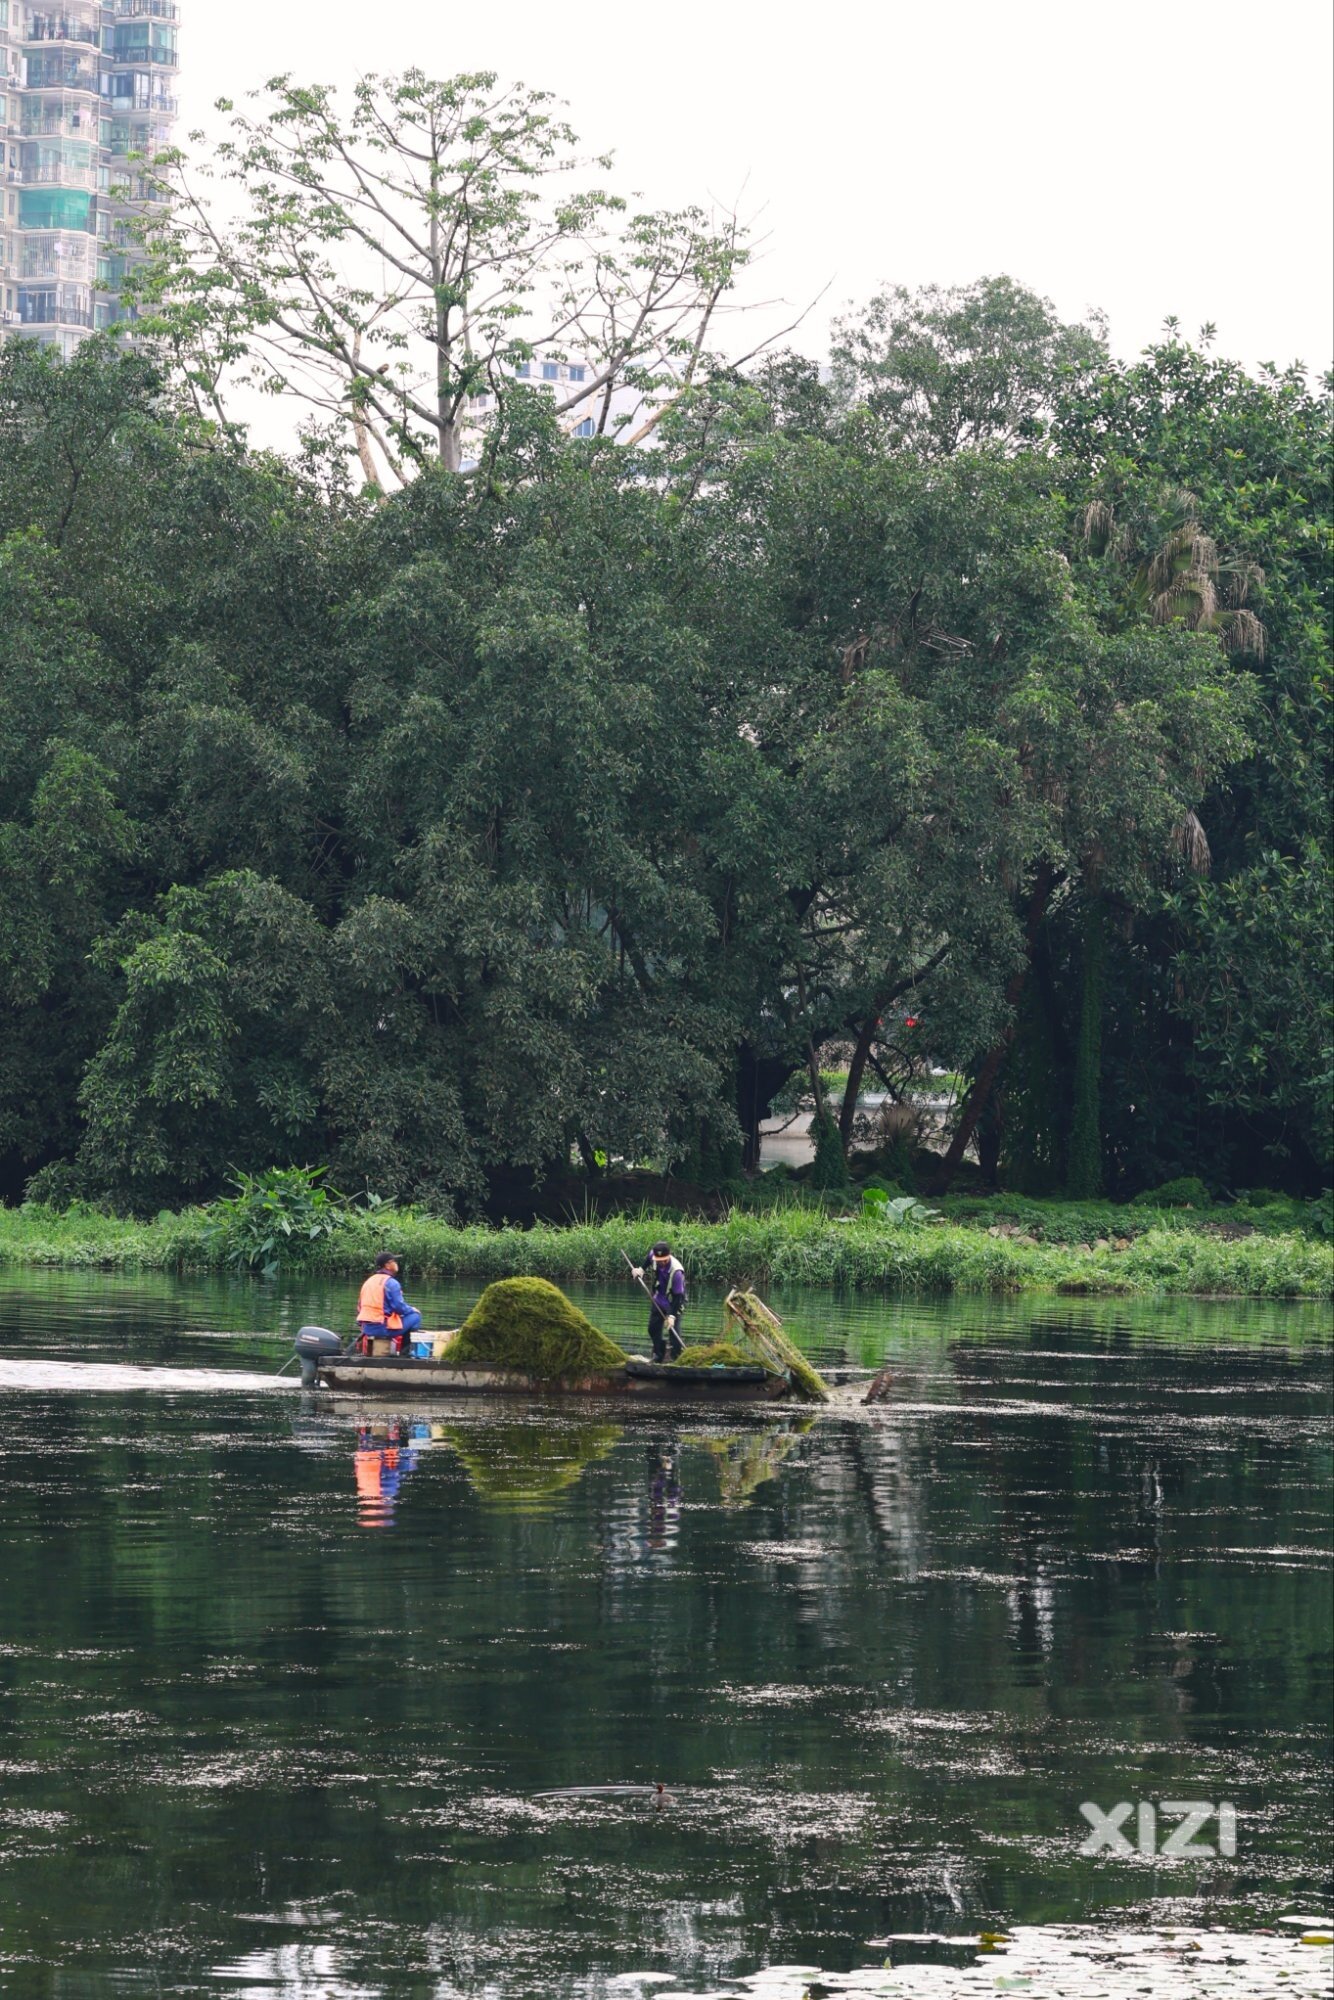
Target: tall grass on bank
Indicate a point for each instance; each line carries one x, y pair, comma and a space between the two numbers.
791, 1247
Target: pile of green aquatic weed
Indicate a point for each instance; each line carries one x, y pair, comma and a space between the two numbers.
529, 1324
716, 1354
764, 1331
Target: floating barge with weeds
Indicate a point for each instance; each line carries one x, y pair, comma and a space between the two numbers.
525, 1338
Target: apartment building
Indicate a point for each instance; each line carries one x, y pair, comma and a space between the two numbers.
561, 379
85, 86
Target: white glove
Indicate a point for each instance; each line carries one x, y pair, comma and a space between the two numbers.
638, 1270
669, 1324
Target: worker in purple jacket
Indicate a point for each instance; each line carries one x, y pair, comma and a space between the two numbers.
667, 1285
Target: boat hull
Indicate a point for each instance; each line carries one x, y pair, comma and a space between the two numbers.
640, 1381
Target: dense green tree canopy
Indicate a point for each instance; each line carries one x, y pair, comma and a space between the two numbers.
564, 810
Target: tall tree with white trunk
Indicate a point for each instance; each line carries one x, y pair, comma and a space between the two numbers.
391, 259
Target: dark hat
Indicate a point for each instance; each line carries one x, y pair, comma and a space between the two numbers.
661, 1250
387, 1257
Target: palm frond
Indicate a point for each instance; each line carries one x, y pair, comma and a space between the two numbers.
1190, 597
1243, 633
1191, 843
1098, 521
1242, 579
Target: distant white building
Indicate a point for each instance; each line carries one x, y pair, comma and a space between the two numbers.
585, 409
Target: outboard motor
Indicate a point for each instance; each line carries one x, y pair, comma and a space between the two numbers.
312, 1345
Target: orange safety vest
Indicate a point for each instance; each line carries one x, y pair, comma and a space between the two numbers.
370, 1306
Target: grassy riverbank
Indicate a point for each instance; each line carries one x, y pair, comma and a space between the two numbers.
982, 1247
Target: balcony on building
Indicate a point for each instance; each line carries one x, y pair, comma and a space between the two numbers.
141, 42
140, 137
68, 163
56, 305
62, 209
61, 69
138, 90
58, 257
58, 114
77, 21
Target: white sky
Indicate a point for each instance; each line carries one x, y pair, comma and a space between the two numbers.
1147, 158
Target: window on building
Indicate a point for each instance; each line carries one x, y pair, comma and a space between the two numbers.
550, 371
576, 374
522, 371
585, 429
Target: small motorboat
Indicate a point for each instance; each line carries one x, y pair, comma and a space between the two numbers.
327, 1362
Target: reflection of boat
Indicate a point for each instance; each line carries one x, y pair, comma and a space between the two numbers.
325, 1365
519, 1466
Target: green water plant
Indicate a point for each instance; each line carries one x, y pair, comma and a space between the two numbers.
898, 1211
716, 1354
529, 1324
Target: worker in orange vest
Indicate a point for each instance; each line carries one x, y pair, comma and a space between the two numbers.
382, 1311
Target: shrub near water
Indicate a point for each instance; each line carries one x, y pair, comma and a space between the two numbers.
529, 1324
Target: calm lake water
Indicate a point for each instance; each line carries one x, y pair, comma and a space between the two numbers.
276, 1688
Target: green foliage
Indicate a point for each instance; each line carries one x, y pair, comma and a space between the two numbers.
273, 1219
530, 1325
1083, 1175
1280, 1253
1202, 495
895, 1160
1187, 1191
946, 370
340, 830
829, 1169
1256, 977
897, 1211
453, 175
797, 1091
